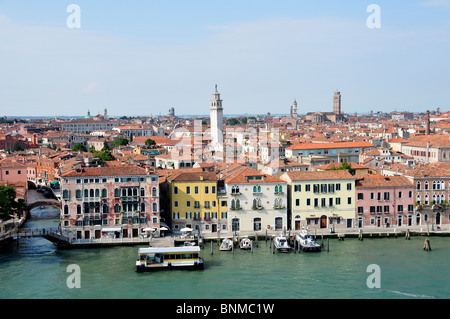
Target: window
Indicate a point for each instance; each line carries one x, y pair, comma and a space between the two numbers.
154, 192
154, 207
104, 193
386, 209
175, 190
360, 210
297, 202
78, 209
188, 189
175, 203
176, 215
372, 209
196, 204
360, 196
316, 202
66, 194
142, 191
297, 188
308, 202
386, 195
213, 189
78, 193
349, 200
188, 203
66, 210
196, 189
338, 201
400, 208
206, 189
116, 193
307, 188
349, 186
338, 187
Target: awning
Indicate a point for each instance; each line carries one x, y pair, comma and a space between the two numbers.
111, 229
54, 182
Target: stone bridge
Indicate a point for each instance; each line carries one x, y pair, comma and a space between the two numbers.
36, 199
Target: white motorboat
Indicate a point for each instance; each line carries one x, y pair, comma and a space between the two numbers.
245, 243
227, 244
306, 242
281, 244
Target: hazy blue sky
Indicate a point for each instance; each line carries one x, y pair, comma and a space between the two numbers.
143, 57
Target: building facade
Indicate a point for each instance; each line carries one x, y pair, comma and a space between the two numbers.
321, 199
384, 201
256, 201
117, 202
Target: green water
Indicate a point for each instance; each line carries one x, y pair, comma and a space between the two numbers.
36, 269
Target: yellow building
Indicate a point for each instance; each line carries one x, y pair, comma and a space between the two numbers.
321, 199
196, 201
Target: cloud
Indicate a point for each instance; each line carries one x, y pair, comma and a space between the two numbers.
91, 87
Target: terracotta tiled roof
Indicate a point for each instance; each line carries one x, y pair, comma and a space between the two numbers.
319, 175
107, 171
308, 146
241, 174
379, 181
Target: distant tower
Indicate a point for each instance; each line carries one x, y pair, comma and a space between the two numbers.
172, 111
216, 118
337, 102
105, 114
294, 110
427, 119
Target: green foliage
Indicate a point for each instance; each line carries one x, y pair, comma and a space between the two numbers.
233, 121
150, 142
104, 155
344, 166
79, 147
120, 141
8, 204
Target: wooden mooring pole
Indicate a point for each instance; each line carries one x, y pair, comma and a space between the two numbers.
407, 235
427, 245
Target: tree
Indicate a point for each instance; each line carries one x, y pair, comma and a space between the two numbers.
8, 204
120, 141
104, 155
150, 142
344, 166
233, 121
79, 147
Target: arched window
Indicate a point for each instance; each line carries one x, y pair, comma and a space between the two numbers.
276, 188
427, 200
91, 193
97, 192
255, 203
155, 207
154, 192
434, 185
116, 192
418, 185
66, 210
104, 193
105, 209
116, 208
238, 203
86, 193
142, 191
78, 209
427, 186
142, 207
233, 204
135, 191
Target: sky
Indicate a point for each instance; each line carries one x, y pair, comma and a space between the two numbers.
140, 58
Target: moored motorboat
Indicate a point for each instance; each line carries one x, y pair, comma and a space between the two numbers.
306, 242
245, 243
227, 244
281, 244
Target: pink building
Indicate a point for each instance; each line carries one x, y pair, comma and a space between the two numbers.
383, 201
112, 202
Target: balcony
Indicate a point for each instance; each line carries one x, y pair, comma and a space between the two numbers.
236, 208
257, 207
279, 207
236, 194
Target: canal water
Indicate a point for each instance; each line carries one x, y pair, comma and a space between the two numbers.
34, 268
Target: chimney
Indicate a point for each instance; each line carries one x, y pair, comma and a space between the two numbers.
427, 119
